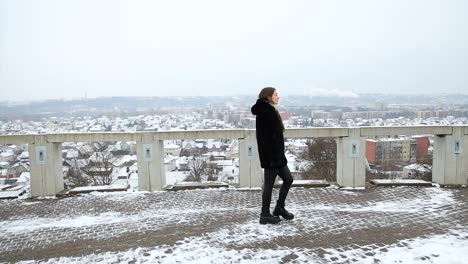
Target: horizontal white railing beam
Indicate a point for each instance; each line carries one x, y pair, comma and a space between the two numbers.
234, 133
124, 136
16, 139
91, 137
406, 130
316, 132
200, 134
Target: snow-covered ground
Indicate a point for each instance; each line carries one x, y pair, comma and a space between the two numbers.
449, 248
238, 243
210, 248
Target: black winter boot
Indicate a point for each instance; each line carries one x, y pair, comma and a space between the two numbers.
283, 212
269, 219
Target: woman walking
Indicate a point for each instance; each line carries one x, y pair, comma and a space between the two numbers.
270, 144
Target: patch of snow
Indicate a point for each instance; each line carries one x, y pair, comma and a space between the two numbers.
80, 221
309, 182
449, 248
12, 193
388, 181
353, 188
96, 188
49, 197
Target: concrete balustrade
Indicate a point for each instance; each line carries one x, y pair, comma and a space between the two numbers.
151, 170
450, 163
350, 160
45, 160
250, 173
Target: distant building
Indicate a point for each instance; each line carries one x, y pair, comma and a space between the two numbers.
172, 149
392, 151
7, 156
214, 146
96, 128
320, 115
24, 179
295, 146
424, 114
89, 148
379, 105
429, 114
4, 165
442, 113
422, 147
121, 146
170, 163
24, 157
16, 170
182, 164
71, 154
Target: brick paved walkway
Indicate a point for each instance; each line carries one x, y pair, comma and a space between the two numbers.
222, 226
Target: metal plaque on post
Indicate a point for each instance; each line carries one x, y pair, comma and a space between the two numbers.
354, 148
457, 145
250, 152
147, 152
41, 155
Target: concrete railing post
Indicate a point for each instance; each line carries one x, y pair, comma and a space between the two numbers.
45, 167
150, 158
450, 162
250, 172
350, 160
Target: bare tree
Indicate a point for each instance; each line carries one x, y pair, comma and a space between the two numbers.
99, 167
197, 168
76, 177
322, 152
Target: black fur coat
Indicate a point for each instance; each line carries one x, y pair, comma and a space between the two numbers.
270, 140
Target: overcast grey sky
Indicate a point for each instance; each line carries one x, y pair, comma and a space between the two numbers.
66, 49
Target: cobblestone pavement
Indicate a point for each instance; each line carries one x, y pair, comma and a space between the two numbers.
220, 226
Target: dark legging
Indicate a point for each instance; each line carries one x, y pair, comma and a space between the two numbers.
270, 176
